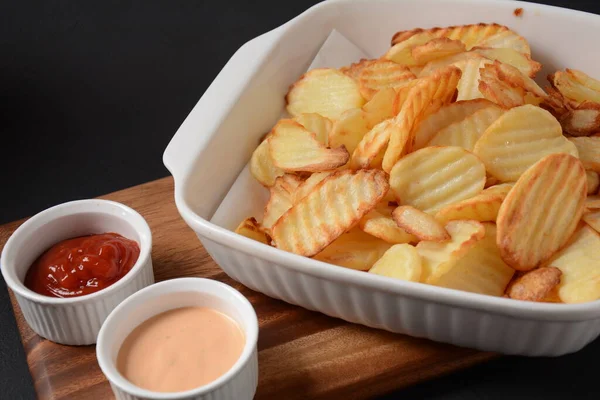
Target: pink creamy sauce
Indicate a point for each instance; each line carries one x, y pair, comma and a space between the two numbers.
180, 349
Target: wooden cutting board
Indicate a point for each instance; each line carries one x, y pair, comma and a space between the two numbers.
302, 354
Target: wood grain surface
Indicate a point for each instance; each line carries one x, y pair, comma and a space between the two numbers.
302, 354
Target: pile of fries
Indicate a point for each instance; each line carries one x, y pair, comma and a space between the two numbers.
442, 162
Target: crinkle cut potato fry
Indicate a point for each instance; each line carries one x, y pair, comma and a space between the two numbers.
535, 285
355, 250
262, 167
401, 261
541, 211
579, 263
281, 199
293, 148
440, 256
479, 270
468, 86
250, 228
434, 177
482, 35
506, 55
483, 207
518, 139
325, 91
576, 85
379, 223
436, 49
449, 114
382, 74
439, 86
317, 124
336, 204
420, 224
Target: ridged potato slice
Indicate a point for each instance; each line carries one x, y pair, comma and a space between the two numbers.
380, 107
324, 91
379, 223
309, 185
449, 114
521, 61
419, 224
440, 256
589, 151
434, 65
576, 85
354, 249
579, 263
262, 167
468, 86
483, 207
401, 261
518, 139
535, 285
401, 53
541, 211
479, 270
353, 70
368, 153
440, 86
593, 181
281, 199
349, 130
250, 228
436, 49
382, 74
434, 177
317, 124
336, 204
294, 148
467, 132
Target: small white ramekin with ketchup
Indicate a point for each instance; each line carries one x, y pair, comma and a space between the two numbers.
70, 265
186, 338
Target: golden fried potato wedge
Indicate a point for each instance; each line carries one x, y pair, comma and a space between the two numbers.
294, 148
589, 151
354, 249
440, 256
449, 114
541, 211
468, 86
593, 181
252, 229
353, 70
432, 91
281, 199
467, 132
262, 167
419, 224
309, 185
483, 207
436, 49
576, 85
336, 204
482, 35
518, 139
434, 177
579, 263
479, 270
379, 223
506, 55
401, 53
382, 74
325, 91
401, 261
349, 129
317, 124
535, 285
380, 107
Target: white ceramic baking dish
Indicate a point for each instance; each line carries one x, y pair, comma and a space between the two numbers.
247, 97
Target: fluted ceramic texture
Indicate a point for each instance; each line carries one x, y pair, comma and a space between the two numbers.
397, 313
79, 324
236, 388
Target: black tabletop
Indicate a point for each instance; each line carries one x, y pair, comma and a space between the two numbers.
91, 93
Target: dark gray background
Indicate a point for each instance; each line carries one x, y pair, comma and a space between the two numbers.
92, 91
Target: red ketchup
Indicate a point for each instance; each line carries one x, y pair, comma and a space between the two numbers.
82, 265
